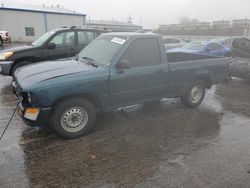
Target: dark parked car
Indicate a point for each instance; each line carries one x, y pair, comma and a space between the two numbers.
240, 67
59, 43
241, 62
115, 70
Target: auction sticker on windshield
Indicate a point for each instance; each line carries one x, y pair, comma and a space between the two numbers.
118, 40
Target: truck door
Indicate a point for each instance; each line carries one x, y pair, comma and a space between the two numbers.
147, 77
60, 46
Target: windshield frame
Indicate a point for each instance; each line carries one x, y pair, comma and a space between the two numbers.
44, 42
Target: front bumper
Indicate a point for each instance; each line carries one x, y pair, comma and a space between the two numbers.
5, 67
42, 118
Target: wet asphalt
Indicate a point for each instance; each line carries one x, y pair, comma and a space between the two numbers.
148, 145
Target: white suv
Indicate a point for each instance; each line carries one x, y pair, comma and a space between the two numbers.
4, 36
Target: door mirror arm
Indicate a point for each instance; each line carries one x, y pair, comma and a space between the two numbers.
123, 64
51, 46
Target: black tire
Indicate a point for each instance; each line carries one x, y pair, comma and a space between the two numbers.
188, 99
18, 65
1, 41
61, 118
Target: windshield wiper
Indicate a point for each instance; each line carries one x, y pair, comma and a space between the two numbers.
90, 61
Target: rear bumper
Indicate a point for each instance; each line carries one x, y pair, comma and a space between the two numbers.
5, 67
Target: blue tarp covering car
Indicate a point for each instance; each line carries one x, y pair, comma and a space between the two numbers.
203, 49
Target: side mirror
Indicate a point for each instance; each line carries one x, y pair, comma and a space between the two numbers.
51, 46
77, 56
123, 64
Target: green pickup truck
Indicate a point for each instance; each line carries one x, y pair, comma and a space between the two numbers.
115, 70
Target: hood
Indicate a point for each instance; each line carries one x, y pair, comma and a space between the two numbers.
36, 73
20, 48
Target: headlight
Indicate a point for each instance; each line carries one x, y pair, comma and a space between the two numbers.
5, 55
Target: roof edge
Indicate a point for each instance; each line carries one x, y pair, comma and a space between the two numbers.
40, 11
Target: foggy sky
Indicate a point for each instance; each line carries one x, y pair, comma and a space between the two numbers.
154, 12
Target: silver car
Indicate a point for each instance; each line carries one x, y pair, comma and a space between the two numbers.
172, 42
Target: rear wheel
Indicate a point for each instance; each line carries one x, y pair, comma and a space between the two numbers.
73, 118
194, 95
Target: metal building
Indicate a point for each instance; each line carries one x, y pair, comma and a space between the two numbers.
115, 26
27, 23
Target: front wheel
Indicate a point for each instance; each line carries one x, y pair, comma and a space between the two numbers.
194, 95
73, 118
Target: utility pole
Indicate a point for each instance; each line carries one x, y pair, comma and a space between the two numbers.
130, 19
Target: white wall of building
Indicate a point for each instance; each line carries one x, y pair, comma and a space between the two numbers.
57, 20
15, 22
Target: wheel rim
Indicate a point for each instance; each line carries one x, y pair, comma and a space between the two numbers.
74, 119
196, 94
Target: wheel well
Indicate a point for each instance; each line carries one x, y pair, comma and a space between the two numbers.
206, 79
90, 97
29, 59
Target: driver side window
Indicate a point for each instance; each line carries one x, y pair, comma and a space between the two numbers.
143, 52
64, 39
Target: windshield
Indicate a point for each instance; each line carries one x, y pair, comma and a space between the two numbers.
194, 46
42, 39
102, 49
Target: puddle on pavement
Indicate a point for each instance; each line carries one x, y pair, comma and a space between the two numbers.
235, 96
222, 159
